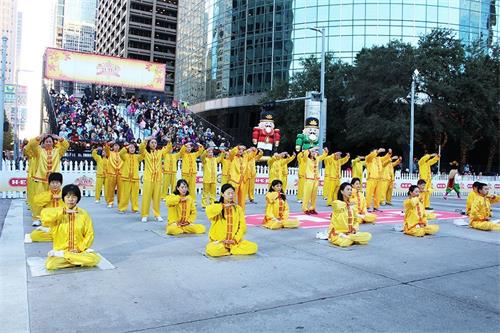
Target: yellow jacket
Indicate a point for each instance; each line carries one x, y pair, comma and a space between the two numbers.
333, 166
46, 199
209, 168
343, 220
470, 199
357, 168
69, 231
47, 160
238, 172
388, 169
252, 172
359, 201
231, 226
178, 211
414, 213
32, 161
301, 164
189, 166
276, 208
274, 167
226, 164
481, 207
424, 166
130, 166
152, 162
284, 166
114, 165
170, 160
312, 166
101, 164
374, 165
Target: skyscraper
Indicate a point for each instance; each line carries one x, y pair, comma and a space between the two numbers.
9, 27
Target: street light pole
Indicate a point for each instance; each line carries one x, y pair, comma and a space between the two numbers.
412, 117
322, 120
2, 90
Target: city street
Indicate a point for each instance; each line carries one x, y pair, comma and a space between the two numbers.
447, 282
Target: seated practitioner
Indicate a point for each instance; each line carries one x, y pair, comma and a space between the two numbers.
480, 212
471, 197
277, 210
343, 230
429, 215
359, 201
72, 233
228, 227
47, 199
415, 222
182, 211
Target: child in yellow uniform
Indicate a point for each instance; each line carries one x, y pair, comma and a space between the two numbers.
424, 168
471, 197
182, 212
100, 171
311, 159
252, 174
189, 166
72, 231
343, 230
374, 162
129, 179
389, 177
170, 161
151, 190
277, 210
415, 221
335, 162
209, 177
480, 213
301, 173
48, 199
30, 186
357, 165
359, 202
113, 176
228, 227
430, 215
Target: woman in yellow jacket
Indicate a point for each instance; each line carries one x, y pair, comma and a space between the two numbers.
471, 197
48, 158
311, 159
430, 215
301, 174
424, 168
189, 166
182, 212
152, 177
359, 202
30, 190
228, 227
113, 175
129, 179
100, 171
238, 173
480, 213
357, 166
170, 161
343, 230
225, 166
252, 174
415, 221
209, 177
335, 162
72, 231
274, 167
277, 210
287, 159
388, 180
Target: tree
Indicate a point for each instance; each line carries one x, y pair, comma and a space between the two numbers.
8, 136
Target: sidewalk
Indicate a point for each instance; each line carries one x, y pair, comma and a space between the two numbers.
447, 282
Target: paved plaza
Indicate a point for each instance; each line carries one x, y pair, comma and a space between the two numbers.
296, 283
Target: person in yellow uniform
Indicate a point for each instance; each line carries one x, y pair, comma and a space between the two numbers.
48, 199
301, 166
312, 160
480, 212
151, 190
225, 166
430, 215
189, 166
343, 229
209, 177
424, 167
129, 174
48, 158
357, 166
100, 171
277, 210
170, 161
274, 165
387, 180
238, 173
182, 211
30, 190
287, 158
359, 202
228, 227
335, 162
252, 174
415, 220
374, 162
113, 176
470, 198
72, 233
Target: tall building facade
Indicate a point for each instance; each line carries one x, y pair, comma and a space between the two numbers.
138, 29
8, 24
230, 52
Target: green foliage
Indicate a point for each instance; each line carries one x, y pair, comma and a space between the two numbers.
8, 136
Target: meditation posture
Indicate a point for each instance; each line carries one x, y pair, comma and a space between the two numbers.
277, 210
182, 211
480, 212
415, 223
359, 202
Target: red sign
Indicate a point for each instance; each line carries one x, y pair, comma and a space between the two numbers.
405, 185
17, 182
441, 185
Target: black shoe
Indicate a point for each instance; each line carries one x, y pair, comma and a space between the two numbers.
429, 208
376, 210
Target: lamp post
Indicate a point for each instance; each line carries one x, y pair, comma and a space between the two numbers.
412, 116
322, 120
2, 89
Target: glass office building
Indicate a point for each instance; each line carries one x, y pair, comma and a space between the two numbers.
231, 51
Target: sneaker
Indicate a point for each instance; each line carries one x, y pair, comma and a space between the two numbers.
36, 223
314, 212
144, 219
307, 212
370, 210
159, 219
299, 201
110, 205
97, 201
376, 210
135, 211
429, 208
27, 238
121, 212
388, 203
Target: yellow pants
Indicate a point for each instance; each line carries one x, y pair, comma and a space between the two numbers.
251, 188
208, 194
151, 191
73, 259
310, 195
169, 182
35, 212
327, 186
429, 229
39, 187
427, 193
485, 225
300, 188
191, 180
129, 193
388, 192
289, 224
240, 191
99, 184
383, 184
112, 182
217, 249
284, 180
30, 189
41, 236
347, 240
334, 190
372, 186
174, 229
368, 218
224, 180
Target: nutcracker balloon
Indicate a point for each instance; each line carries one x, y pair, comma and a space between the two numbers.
265, 136
310, 135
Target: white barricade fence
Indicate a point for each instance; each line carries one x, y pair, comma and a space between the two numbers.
13, 180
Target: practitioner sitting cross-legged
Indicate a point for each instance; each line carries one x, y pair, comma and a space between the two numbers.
277, 210
72, 231
343, 230
415, 223
359, 201
182, 211
228, 227
480, 212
